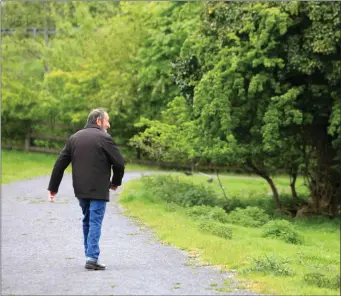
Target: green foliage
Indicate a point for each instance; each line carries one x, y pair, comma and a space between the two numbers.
216, 229
319, 254
168, 29
322, 281
233, 203
270, 264
92, 60
248, 217
206, 213
283, 230
249, 84
129, 198
257, 88
318, 223
157, 140
18, 165
250, 199
173, 190
172, 207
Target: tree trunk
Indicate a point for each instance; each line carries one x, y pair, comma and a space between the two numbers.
138, 153
264, 175
293, 178
274, 191
324, 176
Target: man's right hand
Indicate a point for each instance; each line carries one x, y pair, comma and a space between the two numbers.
52, 195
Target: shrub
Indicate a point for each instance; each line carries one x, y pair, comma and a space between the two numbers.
270, 264
171, 189
172, 207
257, 199
249, 217
128, 198
216, 229
232, 203
143, 195
283, 230
206, 212
249, 199
322, 281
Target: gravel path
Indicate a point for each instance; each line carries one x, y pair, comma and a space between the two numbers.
42, 250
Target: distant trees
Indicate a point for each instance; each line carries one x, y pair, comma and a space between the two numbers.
252, 84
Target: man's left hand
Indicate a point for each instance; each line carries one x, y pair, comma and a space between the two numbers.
113, 187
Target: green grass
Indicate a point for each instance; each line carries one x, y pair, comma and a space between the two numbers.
245, 184
320, 252
19, 165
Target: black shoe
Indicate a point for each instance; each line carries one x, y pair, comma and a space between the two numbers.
94, 265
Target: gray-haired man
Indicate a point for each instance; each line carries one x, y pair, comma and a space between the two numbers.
93, 154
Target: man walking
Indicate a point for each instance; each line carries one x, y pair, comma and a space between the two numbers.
93, 154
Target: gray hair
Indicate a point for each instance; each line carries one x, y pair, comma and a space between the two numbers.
96, 113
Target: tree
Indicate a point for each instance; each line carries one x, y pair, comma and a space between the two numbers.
263, 91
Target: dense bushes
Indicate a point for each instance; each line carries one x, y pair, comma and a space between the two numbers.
206, 212
255, 199
202, 204
270, 264
322, 281
210, 218
216, 229
283, 230
171, 189
249, 217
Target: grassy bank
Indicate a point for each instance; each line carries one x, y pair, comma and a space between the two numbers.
19, 165
263, 264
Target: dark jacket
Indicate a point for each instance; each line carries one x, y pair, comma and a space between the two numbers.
93, 154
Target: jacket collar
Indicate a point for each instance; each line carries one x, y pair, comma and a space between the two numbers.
90, 125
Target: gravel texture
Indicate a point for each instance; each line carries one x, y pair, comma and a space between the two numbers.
43, 254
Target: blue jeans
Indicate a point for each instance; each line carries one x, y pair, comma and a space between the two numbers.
93, 214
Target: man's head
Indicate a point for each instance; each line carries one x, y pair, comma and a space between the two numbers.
99, 117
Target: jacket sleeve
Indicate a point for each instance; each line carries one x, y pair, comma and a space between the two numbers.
116, 159
61, 164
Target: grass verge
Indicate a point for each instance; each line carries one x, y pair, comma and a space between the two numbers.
263, 265
19, 165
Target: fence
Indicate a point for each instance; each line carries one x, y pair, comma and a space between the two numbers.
29, 146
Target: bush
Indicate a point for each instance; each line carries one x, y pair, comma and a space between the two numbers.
249, 199
322, 281
172, 207
128, 198
143, 195
206, 212
270, 264
216, 229
171, 189
255, 199
319, 223
283, 230
249, 217
232, 203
